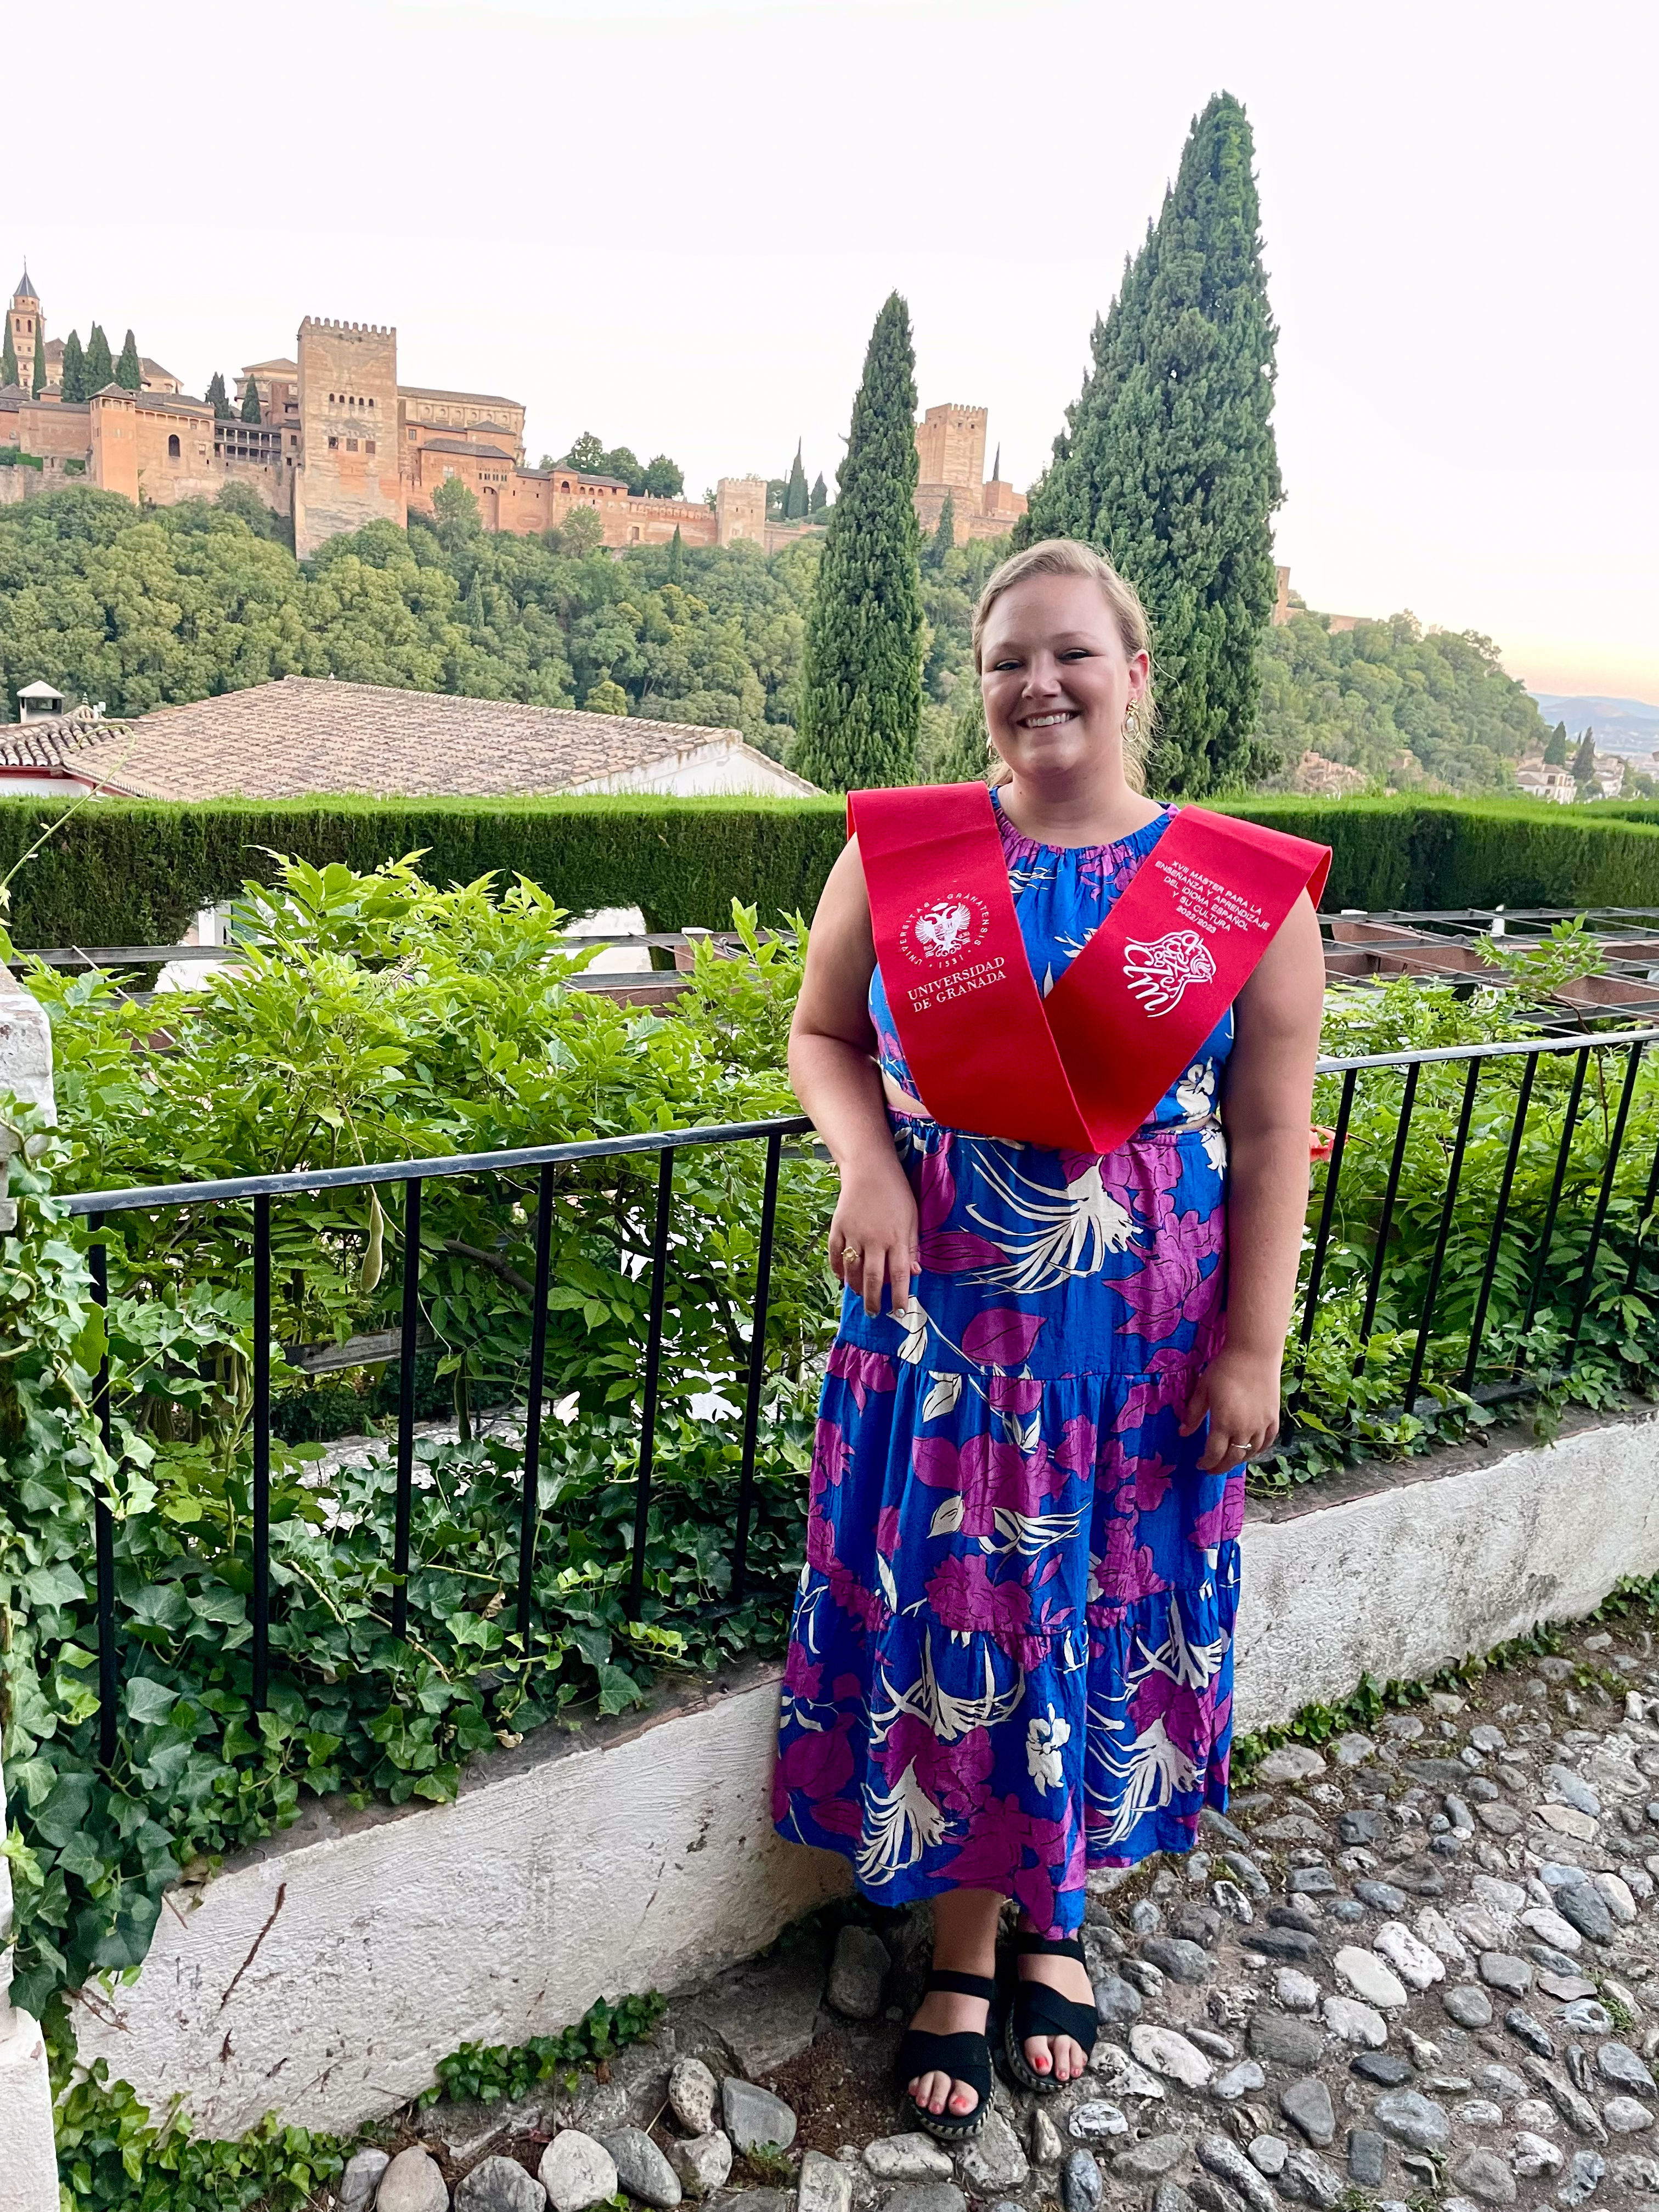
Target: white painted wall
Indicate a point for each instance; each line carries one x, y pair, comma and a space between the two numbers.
324, 1975
722, 767
1427, 1567
28, 2160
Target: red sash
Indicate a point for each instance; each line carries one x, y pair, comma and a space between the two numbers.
1080, 1070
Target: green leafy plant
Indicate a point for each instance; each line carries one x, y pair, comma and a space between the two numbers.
490, 2071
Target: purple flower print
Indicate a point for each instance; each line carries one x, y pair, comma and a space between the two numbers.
819, 1765
1188, 1721
1220, 1522
831, 1455
1152, 1478
954, 1775
865, 1606
965, 1600
954, 1251
863, 1372
800, 1677
887, 1531
1014, 1394
994, 1856
1002, 1336
988, 1473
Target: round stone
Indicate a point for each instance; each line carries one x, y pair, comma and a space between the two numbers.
500, 2185
1413, 2119
1502, 1970
1533, 2155
1408, 1954
1291, 1763
1097, 2120
858, 1973
1081, 2183
1616, 1894
1355, 2022
1480, 2113
753, 2117
692, 2090
1626, 2116
703, 2163
1535, 2113
1618, 2063
1117, 2001
1550, 1928
1484, 2176
644, 2172
991, 2162
1469, 2007
1385, 2067
1163, 2052
1047, 2148
1307, 2105
1282, 2040
363, 2169
913, 2157
1365, 1976
1588, 2016
1237, 2081
1149, 2160
412, 2182
1297, 1992
1268, 2154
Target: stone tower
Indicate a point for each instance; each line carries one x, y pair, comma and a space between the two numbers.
349, 472
25, 329
950, 447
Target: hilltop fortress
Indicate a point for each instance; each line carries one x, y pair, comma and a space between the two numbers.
340, 442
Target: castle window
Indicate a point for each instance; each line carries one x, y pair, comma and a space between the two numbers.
172, 447
368, 445
351, 445
411, 437
333, 444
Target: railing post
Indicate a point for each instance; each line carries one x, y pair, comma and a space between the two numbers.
29, 2158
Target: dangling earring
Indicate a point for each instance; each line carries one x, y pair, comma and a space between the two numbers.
1134, 723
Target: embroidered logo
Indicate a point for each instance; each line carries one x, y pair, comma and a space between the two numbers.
946, 928
1159, 973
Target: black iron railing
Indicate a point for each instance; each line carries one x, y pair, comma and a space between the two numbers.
1354, 1213
98, 1207
1626, 1050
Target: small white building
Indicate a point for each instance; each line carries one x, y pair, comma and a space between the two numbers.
307, 738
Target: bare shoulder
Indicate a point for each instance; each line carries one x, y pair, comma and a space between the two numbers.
1284, 995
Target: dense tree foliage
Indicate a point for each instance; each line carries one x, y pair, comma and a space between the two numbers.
861, 691
1408, 709
7, 357
143, 610
820, 498
1167, 463
37, 382
217, 398
251, 403
72, 371
796, 496
659, 478
100, 362
129, 370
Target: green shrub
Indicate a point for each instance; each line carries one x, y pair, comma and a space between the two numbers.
134, 872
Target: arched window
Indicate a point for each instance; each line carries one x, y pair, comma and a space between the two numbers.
172, 447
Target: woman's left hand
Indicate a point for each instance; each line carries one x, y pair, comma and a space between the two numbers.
1239, 1392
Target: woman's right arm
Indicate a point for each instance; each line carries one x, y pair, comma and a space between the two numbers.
833, 1068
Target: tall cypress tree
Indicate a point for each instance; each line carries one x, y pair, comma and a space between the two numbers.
72, 375
944, 535
820, 498
1168, 462
7, 357
100, 365
129, 372
251, 401
676, 557
217, 398
1583, 761
39, 384
795, 494
861, 681
1555, 749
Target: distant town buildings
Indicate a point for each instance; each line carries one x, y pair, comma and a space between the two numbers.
341, 442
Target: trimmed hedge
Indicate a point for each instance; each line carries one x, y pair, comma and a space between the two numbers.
134, 872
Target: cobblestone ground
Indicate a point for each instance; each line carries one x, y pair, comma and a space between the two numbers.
1419, 1967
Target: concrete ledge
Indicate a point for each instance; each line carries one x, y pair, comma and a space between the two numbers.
1393, 1571
323, 1975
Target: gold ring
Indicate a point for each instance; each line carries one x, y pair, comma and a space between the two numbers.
848, 1252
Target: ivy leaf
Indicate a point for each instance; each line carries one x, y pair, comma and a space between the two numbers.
147, 1701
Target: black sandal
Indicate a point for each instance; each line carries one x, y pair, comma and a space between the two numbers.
1038, 2010
964, 2056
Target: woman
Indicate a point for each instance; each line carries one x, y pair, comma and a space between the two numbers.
1010, 1653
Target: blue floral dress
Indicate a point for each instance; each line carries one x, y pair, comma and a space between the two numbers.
1011, 1651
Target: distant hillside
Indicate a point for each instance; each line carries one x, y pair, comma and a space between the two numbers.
1407, 710
1621, 725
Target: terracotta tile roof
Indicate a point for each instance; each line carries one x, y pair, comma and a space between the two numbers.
57, 741
307, 736
460, 446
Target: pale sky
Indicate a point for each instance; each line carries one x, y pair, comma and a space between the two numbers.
673, 223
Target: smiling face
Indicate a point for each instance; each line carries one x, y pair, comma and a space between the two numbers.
1056, 680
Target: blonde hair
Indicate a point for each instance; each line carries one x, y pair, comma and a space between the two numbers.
1067, 557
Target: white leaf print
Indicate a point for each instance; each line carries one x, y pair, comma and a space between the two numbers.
947, 1517
1033, 1431
884, 1576
1069, 1235
899, 1824
1151, 1774
948, 1718
1047, 979
913, 1322
1031, 1533
942, 1398
1011, 1431
1214, 1141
